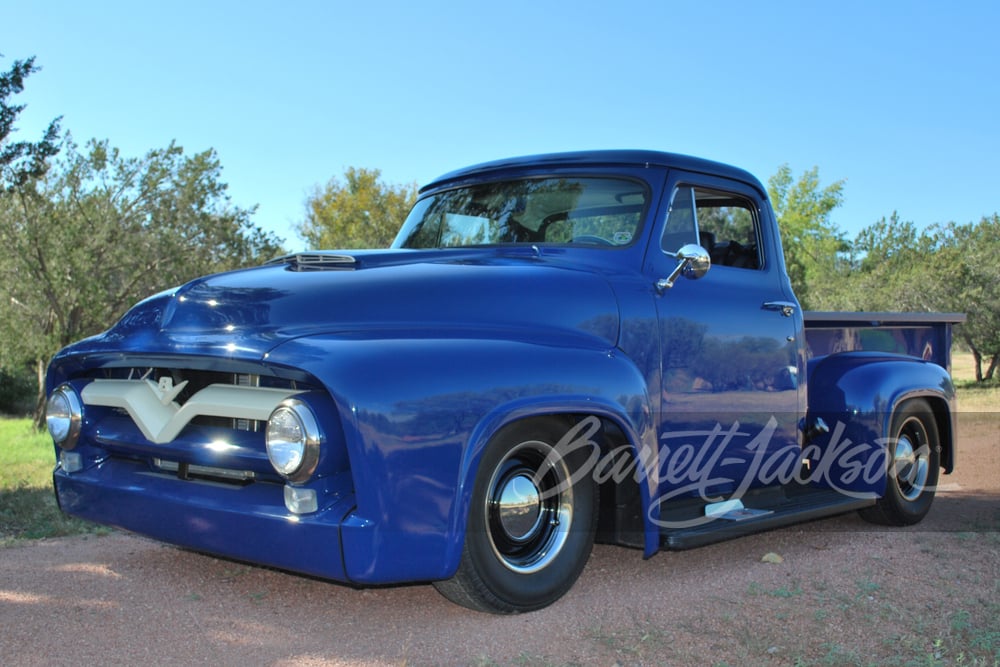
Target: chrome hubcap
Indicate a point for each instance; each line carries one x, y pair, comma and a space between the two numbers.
911, 460
529, 507
519, 508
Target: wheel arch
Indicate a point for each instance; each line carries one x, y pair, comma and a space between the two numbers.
618, 432
944, 419
864, 390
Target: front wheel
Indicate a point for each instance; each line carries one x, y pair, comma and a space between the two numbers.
914, 455
531, 524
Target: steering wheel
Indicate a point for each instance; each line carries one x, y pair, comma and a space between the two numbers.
591, 238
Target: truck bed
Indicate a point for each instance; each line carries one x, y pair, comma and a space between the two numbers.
923, 335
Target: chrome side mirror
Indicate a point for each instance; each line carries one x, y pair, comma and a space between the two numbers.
693, 262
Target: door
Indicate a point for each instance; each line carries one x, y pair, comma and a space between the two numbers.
730, 401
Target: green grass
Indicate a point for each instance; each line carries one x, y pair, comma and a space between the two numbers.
973, 396
978, 397
26, 455
28, 507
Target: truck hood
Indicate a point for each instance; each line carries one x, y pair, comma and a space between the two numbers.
512, 293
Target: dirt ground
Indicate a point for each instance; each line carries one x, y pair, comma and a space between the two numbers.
846, 592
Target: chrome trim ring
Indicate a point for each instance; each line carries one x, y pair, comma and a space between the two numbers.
529, 507
312, 439
75, 416
911, 459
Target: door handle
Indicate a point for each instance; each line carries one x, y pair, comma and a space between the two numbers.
787, 308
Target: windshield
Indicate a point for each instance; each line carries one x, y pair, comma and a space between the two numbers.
601, 212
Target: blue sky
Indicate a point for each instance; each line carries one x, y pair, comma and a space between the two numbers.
900, 99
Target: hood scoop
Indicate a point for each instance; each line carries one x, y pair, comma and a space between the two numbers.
316, 261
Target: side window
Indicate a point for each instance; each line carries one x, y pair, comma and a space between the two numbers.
681, 227
728, 229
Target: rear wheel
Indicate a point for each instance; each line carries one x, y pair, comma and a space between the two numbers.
531, 525
914, 453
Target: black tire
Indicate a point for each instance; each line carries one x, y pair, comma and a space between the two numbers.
914, 461
529, 534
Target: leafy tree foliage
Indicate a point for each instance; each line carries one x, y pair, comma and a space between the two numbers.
359, 212
964, 275
952, 267
101, 231
21, 160
891, 265
878, 272
811, 241
17, 391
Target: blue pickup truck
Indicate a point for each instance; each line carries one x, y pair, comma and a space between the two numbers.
556, 350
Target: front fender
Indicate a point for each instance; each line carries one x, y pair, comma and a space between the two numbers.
417, 414
856, 394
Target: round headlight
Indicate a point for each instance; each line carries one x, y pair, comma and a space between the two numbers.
63, 415
293, 440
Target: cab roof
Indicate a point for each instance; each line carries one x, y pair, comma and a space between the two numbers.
630, 158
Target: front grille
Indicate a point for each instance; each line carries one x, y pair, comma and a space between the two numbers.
195, 424
199, 379
194, 429
247, 424
207, 473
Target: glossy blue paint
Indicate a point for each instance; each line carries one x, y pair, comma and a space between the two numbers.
414, 445
608, 162
856, 393
413, 360
248, 523
744, 351
244, 314
919, 335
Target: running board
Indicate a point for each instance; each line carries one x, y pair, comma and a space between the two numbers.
806, 507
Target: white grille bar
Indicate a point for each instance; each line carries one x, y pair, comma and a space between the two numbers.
161, 419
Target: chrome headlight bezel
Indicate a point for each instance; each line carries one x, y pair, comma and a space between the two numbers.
292, 438
64, 416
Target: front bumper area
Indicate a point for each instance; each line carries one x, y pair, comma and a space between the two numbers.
242, 522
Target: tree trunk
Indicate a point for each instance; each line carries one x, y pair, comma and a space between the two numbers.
39, 416
979, 359
992, 368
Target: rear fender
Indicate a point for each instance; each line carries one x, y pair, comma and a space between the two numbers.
856, 394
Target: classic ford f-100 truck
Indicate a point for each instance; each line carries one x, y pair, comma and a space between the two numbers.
557, 349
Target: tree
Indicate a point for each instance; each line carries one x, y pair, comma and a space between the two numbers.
950, 267
811, 241
885, 270
101, 231
21, 161
360, 212
965, 276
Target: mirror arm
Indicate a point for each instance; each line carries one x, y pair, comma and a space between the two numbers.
693, 262
663, 284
